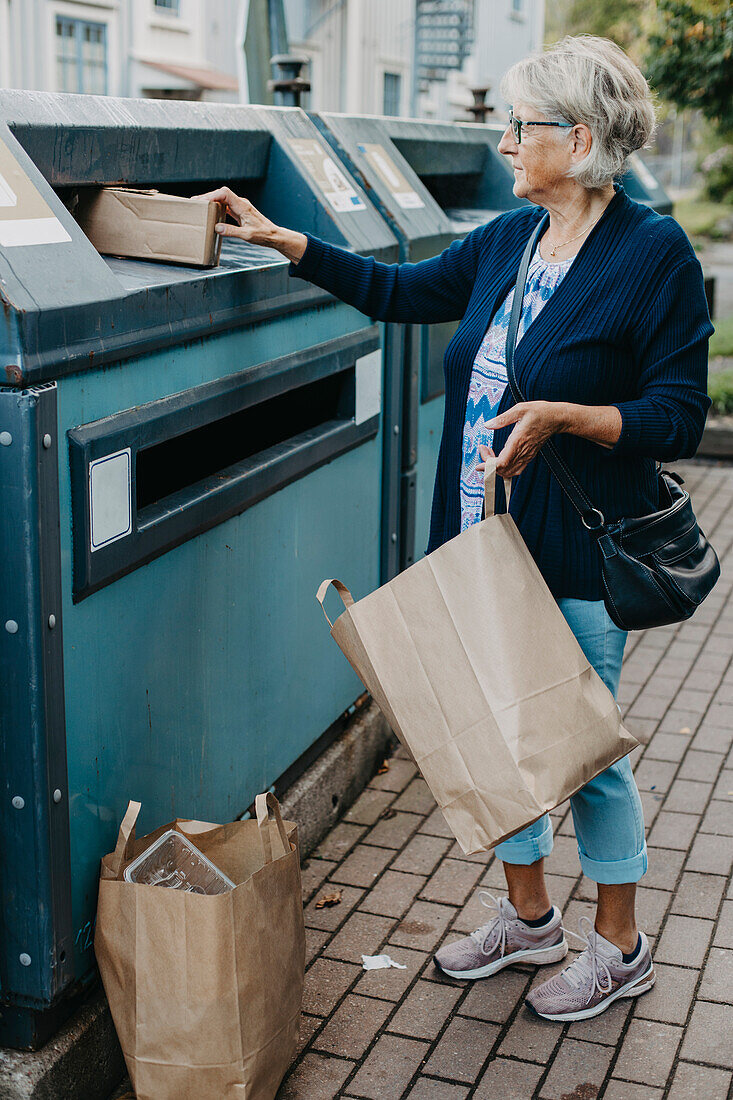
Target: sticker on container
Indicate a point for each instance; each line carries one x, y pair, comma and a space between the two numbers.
368, 386
25, 216
110, 498
327, 175
391, 176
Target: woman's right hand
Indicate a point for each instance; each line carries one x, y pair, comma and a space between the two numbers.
253, 227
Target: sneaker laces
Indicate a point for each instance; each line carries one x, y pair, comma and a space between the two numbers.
590, 963
492, 935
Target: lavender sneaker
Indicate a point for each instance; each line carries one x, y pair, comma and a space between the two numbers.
503, 941
596, 979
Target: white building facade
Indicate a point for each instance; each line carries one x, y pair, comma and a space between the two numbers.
182, 49
505, 31
361, 52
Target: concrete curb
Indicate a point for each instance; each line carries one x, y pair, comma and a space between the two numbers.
336, 779
84, 1061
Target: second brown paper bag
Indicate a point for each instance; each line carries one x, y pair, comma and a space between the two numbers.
472, 663
205, 992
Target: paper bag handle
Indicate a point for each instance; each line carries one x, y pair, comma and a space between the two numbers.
267, 808
342, 591
124, 848
490, 487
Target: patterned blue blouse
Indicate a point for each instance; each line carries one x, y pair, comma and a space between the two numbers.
489, 378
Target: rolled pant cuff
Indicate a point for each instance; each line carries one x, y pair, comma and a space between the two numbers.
614, 872
525, 850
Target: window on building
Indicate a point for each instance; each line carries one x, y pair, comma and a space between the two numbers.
81, 56
392, 93
518, 6
169, 5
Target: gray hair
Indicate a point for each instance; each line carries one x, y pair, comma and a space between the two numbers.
590, 80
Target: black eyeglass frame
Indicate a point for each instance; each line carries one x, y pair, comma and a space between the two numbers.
517, 124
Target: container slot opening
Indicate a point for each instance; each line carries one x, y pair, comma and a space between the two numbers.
449, 191
174, 464
72, 195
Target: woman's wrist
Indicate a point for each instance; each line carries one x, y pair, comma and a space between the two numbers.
599, 423
289, 242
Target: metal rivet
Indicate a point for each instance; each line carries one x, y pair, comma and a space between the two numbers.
396, 429
394, 536
25, 960
11, 626
51, 622
6, 439
47, 441
57, 796
18, 802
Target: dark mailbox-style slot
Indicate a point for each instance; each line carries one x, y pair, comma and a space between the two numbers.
149, 478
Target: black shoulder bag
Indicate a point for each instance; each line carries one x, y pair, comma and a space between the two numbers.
656, 569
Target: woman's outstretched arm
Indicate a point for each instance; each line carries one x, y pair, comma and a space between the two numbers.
437, 289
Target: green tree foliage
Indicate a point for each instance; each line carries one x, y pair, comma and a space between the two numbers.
623, 21
690, 58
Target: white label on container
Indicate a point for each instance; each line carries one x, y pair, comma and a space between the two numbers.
26, 231
8, 197
408, 200
368, 386
110, 498
25, 216
399, 187
324, 171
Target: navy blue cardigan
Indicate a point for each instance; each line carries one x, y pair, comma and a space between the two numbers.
628, 326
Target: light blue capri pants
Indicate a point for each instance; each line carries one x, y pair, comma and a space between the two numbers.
609, 821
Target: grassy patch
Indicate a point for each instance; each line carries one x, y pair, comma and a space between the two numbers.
720, 388
721, 342
700, 218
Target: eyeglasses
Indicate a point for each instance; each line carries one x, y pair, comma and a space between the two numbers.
517, 124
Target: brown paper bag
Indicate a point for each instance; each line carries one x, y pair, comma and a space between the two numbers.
205, 991
475, 668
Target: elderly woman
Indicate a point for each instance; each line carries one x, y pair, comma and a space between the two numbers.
612, 357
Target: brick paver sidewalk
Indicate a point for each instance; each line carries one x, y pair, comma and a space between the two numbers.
406, 887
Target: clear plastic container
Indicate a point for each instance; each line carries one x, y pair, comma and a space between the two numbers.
175, 862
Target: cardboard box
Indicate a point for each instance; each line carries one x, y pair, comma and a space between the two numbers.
122, 221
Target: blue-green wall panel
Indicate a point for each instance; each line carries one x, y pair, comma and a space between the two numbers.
195, 681
429, 429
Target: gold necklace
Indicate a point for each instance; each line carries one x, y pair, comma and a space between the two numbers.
553, 250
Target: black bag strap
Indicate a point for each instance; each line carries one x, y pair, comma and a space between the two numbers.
575, 494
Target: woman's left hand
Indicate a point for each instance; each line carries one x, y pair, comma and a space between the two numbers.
535, 422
